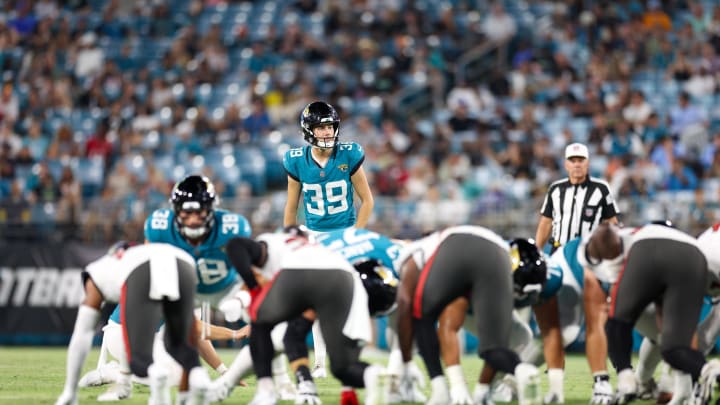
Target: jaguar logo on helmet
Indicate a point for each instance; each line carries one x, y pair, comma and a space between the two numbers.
316, 114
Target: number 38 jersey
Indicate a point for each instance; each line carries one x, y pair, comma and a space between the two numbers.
327, 192
214, 270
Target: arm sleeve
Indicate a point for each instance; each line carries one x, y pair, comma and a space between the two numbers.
243, 253
80, 344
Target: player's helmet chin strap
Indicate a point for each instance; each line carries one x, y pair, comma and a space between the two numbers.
326, 144
193, 233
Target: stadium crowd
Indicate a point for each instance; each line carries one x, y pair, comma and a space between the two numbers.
464, 107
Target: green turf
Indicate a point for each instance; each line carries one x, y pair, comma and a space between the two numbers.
32, 375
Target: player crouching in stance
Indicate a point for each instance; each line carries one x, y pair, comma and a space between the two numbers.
530, 268
447, 265
151, 282
305, 276
665, 266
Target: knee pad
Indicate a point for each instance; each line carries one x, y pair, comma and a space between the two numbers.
294, 339
684, 359
501, 359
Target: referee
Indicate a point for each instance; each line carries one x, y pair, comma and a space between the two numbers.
574, 206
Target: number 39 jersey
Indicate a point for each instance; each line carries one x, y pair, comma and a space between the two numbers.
214, 270
327, 192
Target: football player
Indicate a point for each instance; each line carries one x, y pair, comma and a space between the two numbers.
661, 265
150, 282
457, 261
325, 175
545, 305
304, 276
373, 255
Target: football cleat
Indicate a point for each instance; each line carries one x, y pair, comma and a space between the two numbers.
602, 393
528, 384
307, 394
627, 387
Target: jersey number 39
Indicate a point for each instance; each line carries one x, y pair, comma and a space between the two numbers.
334, 196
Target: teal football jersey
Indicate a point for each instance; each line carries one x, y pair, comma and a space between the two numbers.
360, 244
327, 192
554, 280
214, 270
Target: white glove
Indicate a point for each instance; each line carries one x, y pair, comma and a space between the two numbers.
602, 393
233, 307
67, 398
307, 394
412, 383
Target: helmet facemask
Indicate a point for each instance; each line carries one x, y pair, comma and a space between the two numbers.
194, 194
319, 114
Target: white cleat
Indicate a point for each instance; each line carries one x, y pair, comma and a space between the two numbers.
286, 390
159, 385
528, 384
602, 393
460, 396
504, 390
199, 382
376, 387
307, 394
703, 387
219, 390
319, 372
627, 387
439, 394
482, 395
120, 390
106, 374
264, 398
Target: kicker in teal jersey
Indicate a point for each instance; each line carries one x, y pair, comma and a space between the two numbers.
327, 192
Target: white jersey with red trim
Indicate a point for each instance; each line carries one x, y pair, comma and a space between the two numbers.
288, 252
609, 270
423, 249
110, 271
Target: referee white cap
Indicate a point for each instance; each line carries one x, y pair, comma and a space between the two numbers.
576, 150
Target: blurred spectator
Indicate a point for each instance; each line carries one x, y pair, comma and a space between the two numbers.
685, 115
655, 18
10, 138
44, 185
63, 146
15, 208
69, 204
9, 104
638, 111
257, 124
98, 144
499, 26
89, 58
681, 177
36, 141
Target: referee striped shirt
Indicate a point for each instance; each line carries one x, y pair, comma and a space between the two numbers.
576, 209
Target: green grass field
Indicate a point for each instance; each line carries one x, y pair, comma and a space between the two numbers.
35, 375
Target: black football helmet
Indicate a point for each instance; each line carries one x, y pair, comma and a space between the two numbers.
529, 271
381, 286
194, 193
315, 114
